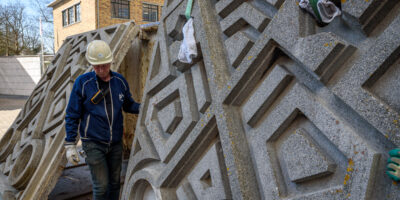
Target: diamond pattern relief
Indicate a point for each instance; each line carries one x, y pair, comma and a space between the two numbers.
182, 90
169, 123
207, 179
300, 110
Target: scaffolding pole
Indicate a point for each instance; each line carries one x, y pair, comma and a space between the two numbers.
42, 52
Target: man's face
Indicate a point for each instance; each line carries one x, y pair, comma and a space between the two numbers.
103, 70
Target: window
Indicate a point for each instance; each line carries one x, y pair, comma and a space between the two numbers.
71, 18
71, 15
120, 9
64, 18
78, 12
150, 12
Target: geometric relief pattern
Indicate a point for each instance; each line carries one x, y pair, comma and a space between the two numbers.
299, 146
179, 92
175, 116
206, 179
56, 114
276, 106
323, 53
181, 118
306, 164
201, 89
384, 82
32, 152
242, 22
368, 13
37, 94
371, 84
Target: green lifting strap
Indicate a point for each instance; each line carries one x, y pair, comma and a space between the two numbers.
189, 9
315, 9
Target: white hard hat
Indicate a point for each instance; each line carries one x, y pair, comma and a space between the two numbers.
98, 52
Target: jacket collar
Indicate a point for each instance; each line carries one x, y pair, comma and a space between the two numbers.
112, 74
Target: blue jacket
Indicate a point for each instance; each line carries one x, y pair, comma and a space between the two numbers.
91, 120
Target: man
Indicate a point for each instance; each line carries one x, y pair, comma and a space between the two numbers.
95, 111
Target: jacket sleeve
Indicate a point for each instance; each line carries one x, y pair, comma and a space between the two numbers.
129, 105
73, 113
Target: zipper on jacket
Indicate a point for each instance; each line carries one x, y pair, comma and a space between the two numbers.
112, 111
87, 125
105, 108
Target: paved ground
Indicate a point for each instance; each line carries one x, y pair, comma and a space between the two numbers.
10, 106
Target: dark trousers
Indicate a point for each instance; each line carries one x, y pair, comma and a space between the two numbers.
105, 167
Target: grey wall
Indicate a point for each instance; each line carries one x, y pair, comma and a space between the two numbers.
19, 74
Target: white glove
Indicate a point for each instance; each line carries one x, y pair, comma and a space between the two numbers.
327, 10
72, 154
188, 48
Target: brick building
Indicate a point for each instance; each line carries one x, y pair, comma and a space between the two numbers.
76, 16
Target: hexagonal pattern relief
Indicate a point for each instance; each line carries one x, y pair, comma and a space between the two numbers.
201, 176
311, 164
301, 109
170, 116
178, 93
201, 86
265, 94
37, 94
208, 180
368, 86
242, 23
368, 13
56, 113
292, 175
303, 159
384, 83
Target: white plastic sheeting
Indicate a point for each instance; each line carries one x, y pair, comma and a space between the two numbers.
188, 49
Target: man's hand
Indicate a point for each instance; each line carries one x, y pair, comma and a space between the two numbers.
72, 154
394, 164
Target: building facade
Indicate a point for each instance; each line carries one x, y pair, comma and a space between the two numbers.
76, 16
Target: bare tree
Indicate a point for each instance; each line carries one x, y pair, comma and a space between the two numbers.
12, 24
45, 12
19, 33
32, 40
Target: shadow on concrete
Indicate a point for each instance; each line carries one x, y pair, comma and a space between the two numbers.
19, 74
12, 102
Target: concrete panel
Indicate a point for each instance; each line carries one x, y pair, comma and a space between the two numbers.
300, 110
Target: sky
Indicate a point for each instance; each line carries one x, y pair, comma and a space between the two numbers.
29, 5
